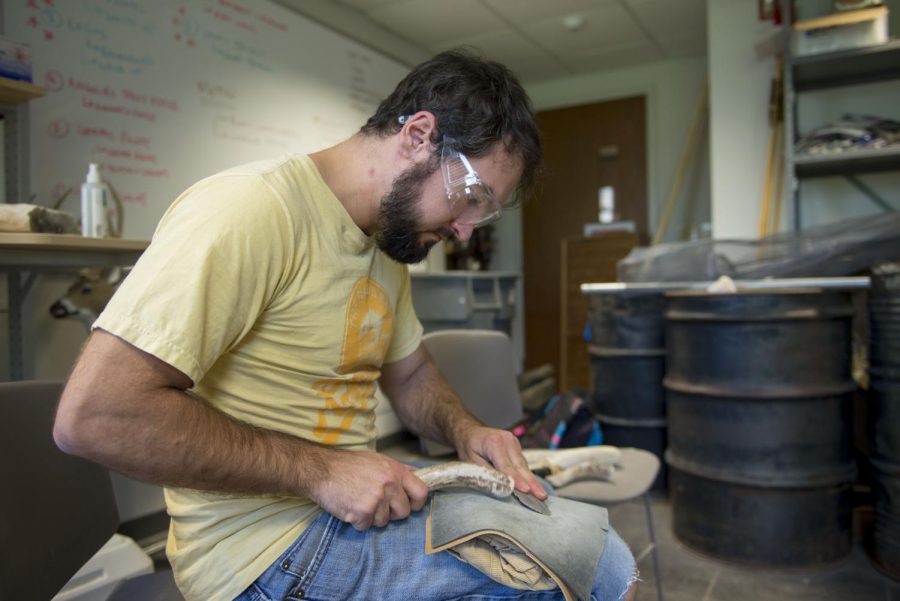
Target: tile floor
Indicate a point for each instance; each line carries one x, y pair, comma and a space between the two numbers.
689, 576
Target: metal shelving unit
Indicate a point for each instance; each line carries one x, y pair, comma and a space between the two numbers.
822, 71
847, 67
849, 163
14, 97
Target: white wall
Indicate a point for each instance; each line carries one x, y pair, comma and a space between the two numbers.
741, 65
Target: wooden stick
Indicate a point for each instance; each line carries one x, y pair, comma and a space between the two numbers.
766, 199
779, 180
776, 118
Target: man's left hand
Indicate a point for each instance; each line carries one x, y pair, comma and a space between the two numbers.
499, 449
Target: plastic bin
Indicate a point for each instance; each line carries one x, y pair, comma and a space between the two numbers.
119, 559
480, 300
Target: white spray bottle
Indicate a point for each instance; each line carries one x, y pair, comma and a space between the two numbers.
93, 205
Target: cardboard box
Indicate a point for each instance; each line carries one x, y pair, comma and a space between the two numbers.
840, 31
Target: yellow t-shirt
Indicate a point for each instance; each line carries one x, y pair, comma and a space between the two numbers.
260, 287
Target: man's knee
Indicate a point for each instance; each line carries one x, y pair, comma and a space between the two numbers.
617, 573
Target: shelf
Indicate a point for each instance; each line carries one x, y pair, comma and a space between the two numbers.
13, 92
847, 67
848, 163
61, 251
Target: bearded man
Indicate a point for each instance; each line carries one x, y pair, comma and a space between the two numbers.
237, 363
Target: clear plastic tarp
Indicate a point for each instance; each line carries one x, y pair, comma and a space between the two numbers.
841, 249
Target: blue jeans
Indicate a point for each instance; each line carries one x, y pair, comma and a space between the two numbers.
331, 561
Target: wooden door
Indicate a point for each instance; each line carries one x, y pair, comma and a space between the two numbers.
586, 147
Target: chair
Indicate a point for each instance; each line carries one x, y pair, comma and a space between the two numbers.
56, 510
479, 365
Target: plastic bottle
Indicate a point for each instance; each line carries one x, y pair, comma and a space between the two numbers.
94, 197
606, 199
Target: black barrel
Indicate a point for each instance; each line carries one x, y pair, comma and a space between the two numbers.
884, 334
627, 383
627, 357
627, 321
759, 408
884, 414
884, 419
886, 537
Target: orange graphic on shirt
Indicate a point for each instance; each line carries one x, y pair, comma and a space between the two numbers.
368, 327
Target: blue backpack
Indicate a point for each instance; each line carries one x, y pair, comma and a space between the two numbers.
564, 422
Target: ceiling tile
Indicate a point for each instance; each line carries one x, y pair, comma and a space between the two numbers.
533, 72
527, 61
665, 18
365, 5
520, 12
614, 58
610, 26
529, 37
426, 22
686, 46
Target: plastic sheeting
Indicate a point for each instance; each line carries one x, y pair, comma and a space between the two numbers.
842, 249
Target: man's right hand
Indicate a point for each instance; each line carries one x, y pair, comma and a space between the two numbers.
368, 489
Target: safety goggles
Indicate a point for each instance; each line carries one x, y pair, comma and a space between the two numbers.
471, 203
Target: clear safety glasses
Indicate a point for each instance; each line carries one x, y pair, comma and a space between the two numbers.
471, 203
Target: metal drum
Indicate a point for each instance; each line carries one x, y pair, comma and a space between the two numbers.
884, 334
884, 342
884, 419
884, 416
627, 321
627, 383
627, 357
759, 407
886, 539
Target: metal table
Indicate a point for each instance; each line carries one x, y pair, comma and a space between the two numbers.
842, 283
23, 256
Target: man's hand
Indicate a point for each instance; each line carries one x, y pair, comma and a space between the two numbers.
500, 449
368, 489
427, 405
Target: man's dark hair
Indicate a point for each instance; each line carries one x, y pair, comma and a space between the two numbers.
477, 102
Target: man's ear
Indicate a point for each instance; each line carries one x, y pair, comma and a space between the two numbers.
416, 135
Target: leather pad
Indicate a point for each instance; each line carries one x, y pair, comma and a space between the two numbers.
567, 544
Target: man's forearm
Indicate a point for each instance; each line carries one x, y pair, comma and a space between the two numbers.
428, 406
175, 439
426, 403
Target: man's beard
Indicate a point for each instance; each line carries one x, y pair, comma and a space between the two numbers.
398, 217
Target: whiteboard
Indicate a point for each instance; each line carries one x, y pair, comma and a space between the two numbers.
161, 93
